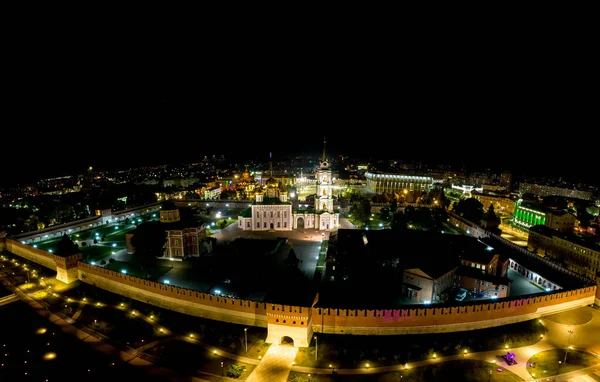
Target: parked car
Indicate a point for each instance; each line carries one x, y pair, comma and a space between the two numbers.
462, 293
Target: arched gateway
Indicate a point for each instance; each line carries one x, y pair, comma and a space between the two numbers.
289, 325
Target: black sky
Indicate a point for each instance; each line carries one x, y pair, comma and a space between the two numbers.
524, 107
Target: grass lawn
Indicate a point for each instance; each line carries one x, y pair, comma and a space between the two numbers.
132, 269
109, 230
452, 229
222, 335
96, 252
135, 269
353, 351
445, 371
546, 363
119, 235
120, 325
189, 357
32, 336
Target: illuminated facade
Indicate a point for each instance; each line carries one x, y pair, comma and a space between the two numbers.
501, 204
543, 190
467, 189
425, 288
326, 217
272, 211
506, 180
528, 216
391, 183
579, 255
184, 240
184, 243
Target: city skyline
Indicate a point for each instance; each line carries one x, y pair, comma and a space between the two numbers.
62, 162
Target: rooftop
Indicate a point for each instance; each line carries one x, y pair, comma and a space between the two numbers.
482, 275
537, 266
271, 201
247, 213
534, 206
590, 242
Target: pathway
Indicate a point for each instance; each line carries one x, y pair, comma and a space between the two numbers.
586, 336
275, 365
95, 341
279, 359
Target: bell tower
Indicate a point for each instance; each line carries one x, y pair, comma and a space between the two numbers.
324, 198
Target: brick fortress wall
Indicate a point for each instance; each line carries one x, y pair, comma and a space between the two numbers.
304, 319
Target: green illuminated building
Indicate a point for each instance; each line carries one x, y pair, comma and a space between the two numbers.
528, 214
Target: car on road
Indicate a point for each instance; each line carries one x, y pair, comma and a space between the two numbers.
462, 293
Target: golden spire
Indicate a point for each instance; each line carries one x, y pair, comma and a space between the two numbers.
324, 141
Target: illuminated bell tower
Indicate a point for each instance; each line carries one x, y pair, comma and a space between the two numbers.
324, 198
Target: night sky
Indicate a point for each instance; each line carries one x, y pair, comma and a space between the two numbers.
520, 112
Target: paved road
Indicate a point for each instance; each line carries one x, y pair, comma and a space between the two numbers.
275, 365
521, 285
586, 336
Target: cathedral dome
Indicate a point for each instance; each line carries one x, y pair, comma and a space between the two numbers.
272, 183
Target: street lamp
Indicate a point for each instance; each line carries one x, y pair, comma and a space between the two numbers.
568, 346
246, 338
316, 348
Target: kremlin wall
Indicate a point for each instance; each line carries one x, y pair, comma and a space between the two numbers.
299, 322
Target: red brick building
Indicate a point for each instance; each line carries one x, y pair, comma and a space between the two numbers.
483, 272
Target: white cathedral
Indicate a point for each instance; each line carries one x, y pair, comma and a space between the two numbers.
272, 211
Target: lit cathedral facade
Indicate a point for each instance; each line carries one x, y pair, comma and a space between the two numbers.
271, 211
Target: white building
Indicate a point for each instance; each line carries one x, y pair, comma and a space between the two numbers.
273, 211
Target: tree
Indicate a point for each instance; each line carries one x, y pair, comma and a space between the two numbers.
584, 217
66, 247
235, 371
394, 206
399, 222
385, 214
148, 240
470, 208
492, 220
169, 205
191, 195
34, 223
292, 260
361, 210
